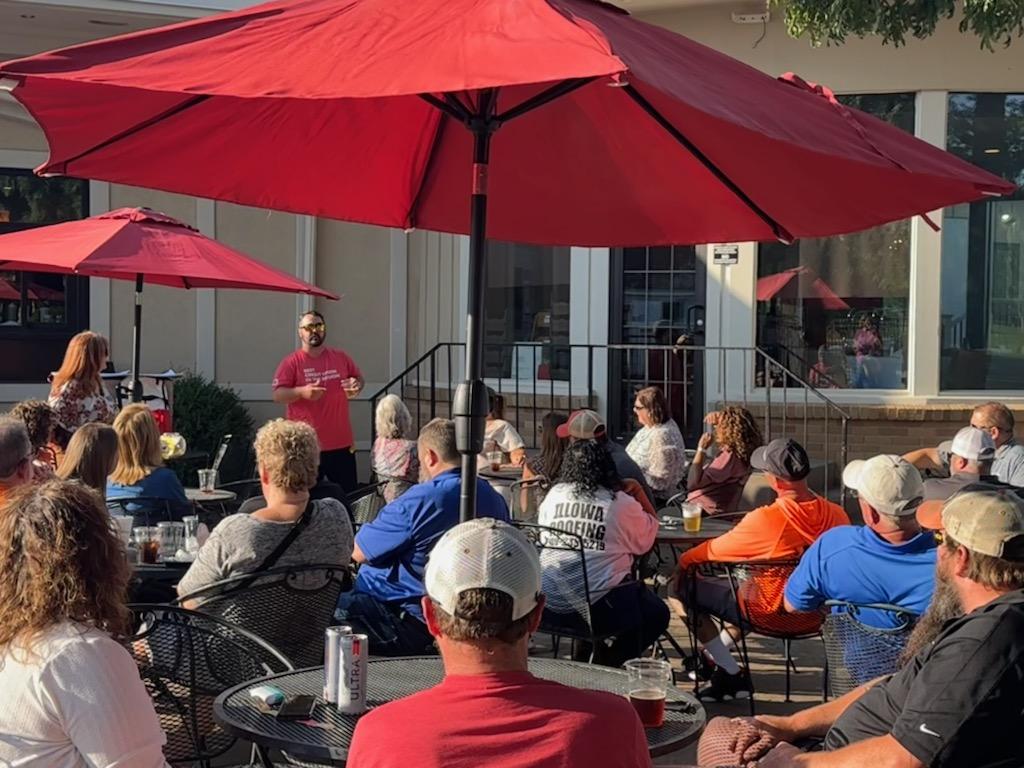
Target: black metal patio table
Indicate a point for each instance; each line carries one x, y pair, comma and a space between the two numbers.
328, 741
671, 531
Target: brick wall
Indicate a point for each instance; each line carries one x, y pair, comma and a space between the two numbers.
872, 429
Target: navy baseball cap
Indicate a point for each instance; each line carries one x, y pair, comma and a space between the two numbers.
782, 457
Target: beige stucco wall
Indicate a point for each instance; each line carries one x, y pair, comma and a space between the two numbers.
254, 330
946, 61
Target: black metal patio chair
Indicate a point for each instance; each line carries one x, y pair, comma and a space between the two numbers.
289, 606
186, 659
859, 652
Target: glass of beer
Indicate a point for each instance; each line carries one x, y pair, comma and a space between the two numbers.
495, 458
646, 683
692, 514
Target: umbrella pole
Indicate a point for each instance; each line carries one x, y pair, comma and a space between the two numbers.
470, 406
137, 342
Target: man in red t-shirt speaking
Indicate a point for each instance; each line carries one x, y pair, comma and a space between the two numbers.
316, 383
483, 601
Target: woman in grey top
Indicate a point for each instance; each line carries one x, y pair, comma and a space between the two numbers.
288, 456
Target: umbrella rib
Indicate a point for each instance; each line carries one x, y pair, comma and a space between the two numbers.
171, 112
444, 107
780, 232
539, 100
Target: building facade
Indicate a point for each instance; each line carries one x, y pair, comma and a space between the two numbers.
903, 326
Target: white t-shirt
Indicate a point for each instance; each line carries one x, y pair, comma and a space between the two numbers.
76, 702
502, 434
614, 529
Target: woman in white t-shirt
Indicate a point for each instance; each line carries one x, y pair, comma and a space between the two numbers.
501, 436
71, 694
588, 501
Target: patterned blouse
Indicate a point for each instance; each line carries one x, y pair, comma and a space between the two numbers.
660, 453
394, 459
74, 406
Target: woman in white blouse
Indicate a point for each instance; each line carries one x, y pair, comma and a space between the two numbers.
71, 693
658, 448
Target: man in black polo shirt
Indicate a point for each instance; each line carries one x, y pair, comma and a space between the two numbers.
959, 703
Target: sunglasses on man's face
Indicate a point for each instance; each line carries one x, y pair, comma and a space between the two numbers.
314, 327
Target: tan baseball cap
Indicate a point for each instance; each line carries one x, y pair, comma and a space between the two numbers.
583, 425
987, 519
890, 484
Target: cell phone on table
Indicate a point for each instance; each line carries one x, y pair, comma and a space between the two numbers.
297, 708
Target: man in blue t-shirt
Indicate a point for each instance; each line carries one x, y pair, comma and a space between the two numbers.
392, 550
888, 560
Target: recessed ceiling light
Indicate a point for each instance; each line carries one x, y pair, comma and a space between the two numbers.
103, 23
992, 151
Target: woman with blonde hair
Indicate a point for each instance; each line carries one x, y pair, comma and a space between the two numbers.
91, 456
72, 696
657, 447
288, 457
393, 456
718, 486
77, 394
140, 470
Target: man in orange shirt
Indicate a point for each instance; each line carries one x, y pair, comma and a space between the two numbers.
780, 531
16, 455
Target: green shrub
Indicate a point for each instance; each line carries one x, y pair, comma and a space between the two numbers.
204, 412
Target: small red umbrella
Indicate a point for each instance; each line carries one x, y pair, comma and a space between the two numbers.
809, 284
147, 247
607, 131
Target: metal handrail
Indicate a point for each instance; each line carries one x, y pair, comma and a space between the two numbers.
424, 371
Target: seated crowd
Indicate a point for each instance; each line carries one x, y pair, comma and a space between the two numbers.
948, 551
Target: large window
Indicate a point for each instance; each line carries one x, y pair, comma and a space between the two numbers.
982, 300
834, 310
39, 311
526, 333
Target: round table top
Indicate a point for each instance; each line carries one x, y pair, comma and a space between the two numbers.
196, 494
390, 679
673, 532
506, 473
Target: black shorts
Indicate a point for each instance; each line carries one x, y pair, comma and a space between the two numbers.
713, 597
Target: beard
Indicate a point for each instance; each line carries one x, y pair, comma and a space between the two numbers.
945, 605
315, 340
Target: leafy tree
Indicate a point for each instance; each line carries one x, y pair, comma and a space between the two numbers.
995, 22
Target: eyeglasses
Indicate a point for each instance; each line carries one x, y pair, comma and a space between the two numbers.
940, 537
314, 327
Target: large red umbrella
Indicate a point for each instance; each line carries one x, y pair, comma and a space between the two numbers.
799, 282
147, 247
607, 130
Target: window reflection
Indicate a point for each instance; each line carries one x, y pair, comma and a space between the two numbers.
982, 299
834, 310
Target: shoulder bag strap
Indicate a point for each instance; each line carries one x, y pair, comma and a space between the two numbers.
290, 537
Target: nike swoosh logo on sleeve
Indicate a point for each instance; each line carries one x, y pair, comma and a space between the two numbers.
925, 729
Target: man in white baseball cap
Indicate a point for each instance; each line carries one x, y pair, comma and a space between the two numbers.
889, 560
970, 460
483, 582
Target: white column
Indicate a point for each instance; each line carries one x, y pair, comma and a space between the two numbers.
925, 326
398, 296
99, 287
729, 321
206, 300
463, 287
589, 275
305, 259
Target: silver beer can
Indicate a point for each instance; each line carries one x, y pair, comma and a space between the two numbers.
353, 668
332, 661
